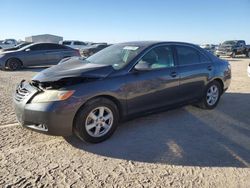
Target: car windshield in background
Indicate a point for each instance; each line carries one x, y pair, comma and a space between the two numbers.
229, 43
25, 47
117, 55
66, 43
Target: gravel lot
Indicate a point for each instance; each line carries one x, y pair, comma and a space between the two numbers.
185, 147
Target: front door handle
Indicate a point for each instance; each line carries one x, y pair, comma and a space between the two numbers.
209, 68
173, 74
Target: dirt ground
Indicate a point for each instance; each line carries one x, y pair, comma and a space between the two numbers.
185, 147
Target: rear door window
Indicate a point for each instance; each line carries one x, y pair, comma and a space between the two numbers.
56, 47
38, 47
188, 56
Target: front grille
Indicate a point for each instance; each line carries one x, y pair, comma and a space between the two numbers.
21, 93
225, 49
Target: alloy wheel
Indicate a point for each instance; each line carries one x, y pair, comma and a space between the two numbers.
212, 95
99, 121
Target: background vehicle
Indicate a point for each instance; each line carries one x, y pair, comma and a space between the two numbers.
88, 51
36, 55
233, 48
209, 47
8, 43
89, 97
248, 70
19, 46
74, 44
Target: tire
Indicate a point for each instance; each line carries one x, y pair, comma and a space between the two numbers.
248, 54
233, 55
100, 128
14, 64
209, 101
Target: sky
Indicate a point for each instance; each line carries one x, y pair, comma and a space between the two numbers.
195, 21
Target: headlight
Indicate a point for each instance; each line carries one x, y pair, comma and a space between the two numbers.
52, 95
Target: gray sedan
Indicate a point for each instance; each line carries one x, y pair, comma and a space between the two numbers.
38, 54
88, 97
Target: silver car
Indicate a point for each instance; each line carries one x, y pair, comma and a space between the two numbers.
248, 70
38, 54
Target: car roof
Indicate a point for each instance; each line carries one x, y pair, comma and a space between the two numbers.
152, 43
33, 44
71, 41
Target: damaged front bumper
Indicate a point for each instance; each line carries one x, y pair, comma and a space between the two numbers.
48, 118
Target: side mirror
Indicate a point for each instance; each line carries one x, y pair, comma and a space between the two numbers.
142, 66
27, 50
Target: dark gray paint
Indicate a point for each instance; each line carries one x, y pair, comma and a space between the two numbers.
133, 91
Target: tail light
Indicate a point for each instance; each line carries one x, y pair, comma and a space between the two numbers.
78, 52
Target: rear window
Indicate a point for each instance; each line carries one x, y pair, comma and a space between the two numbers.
79, 43
66, 43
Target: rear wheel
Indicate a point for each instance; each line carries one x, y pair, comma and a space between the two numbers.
97, 120
248, 53
211, 95
233, 55
14, 64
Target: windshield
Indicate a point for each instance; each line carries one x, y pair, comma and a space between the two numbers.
22, 45
232, 42
117, 55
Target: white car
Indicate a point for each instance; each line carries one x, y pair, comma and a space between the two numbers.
248, 70
209, 47
74, 44
8, 43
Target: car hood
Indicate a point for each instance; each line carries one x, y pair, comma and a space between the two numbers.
74, 67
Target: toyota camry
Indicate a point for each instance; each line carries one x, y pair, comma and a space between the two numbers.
89, 97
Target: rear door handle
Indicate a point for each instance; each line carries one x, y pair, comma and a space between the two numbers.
209, 67
173, 74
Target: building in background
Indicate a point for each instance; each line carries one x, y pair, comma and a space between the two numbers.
44, 38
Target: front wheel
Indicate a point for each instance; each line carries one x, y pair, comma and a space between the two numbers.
97, 120
211, 95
